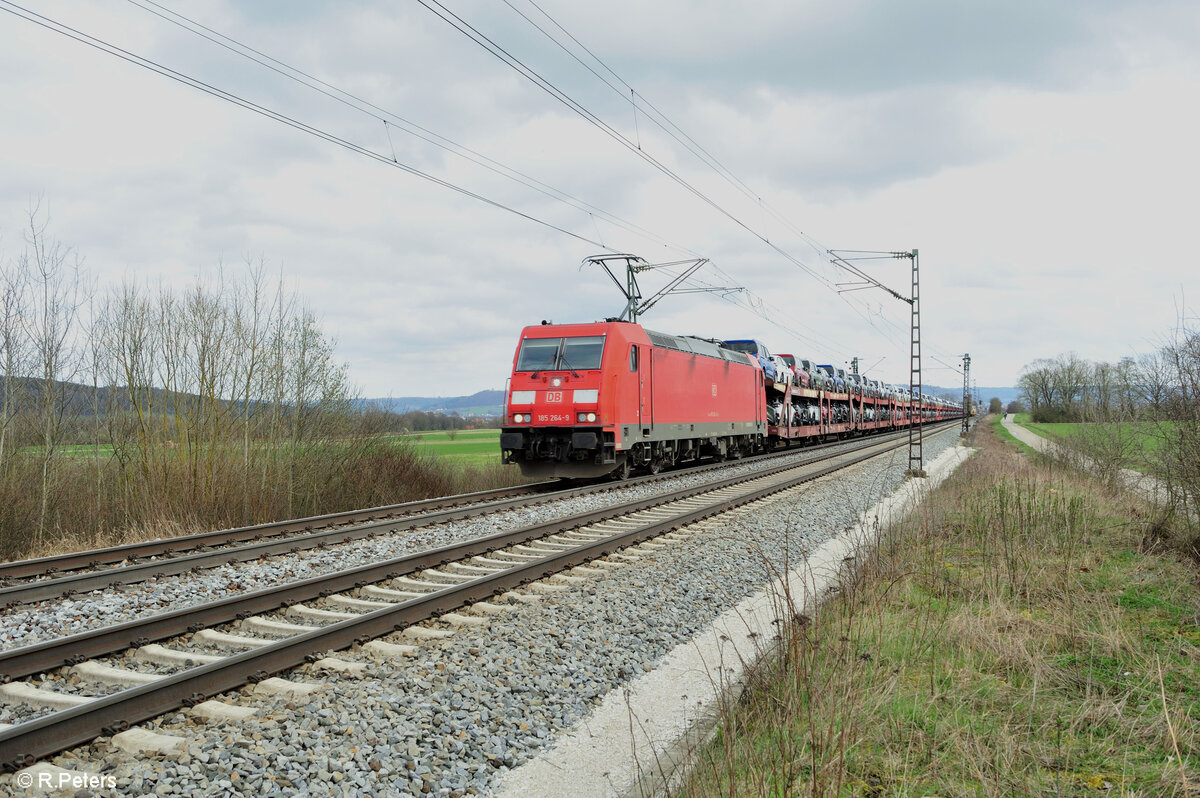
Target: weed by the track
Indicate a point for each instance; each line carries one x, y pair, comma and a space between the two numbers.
1021, 634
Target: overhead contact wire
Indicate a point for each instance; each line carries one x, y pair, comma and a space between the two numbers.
145, 63
391, 118
663, 121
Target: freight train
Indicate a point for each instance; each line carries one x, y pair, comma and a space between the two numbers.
613, 398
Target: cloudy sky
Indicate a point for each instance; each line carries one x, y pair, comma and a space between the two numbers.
1041, 156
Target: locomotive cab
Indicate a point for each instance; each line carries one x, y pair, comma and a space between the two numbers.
586, 400
556, 422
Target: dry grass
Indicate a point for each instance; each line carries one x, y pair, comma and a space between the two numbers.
1017, 636
100, 504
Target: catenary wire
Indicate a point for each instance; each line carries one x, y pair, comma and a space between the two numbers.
367, 107
388, 117
702, 154
145, 63
663, 121
472, 33
755, 304
358, 103
106, 47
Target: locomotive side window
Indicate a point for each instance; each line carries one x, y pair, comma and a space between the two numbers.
633, 357
561, 354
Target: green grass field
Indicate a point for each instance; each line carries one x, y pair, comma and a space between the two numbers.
471, 446
1149, 434
77, 450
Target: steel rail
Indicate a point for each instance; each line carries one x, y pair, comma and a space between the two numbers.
71, 584
27, 742
70, 650
92, 558
54, 564
49, 566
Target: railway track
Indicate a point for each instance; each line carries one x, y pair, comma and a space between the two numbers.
358, 605
164, 558
94, 558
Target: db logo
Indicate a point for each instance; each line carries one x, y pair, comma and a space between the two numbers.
554, 397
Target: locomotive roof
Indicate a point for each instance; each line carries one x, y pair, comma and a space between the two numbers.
691, 344
696, 346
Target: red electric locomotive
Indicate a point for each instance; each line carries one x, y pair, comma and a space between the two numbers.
587, 400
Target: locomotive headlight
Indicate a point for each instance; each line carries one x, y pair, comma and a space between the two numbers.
591, 416
556, 382
519, 418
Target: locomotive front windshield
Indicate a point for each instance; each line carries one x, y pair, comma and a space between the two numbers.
561, 354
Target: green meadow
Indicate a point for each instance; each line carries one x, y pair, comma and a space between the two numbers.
473, 447
1149, 435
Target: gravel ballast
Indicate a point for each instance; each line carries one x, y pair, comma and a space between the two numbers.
461, 712
24, 625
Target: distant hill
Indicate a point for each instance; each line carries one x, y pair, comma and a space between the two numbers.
1005, 395
483, 404
85, 400
486, 404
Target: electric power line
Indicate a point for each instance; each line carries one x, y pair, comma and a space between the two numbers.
153, 66
365, 106
462, 26
755, 305
668, 126
391, 118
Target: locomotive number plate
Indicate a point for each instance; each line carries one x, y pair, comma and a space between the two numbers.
553, 418
554, 397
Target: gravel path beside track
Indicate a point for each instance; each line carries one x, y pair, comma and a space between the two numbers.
451, 719
1144, 485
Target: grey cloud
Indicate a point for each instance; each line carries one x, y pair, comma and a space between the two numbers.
880, 46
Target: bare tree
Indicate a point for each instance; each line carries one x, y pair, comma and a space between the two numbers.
14, 354
52, 326
130, 340
252, 311
221, 403
1037, 385
1178, 460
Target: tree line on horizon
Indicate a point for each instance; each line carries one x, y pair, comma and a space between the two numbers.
1158, 385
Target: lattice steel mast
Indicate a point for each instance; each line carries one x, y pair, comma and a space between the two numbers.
916, 460
968, 401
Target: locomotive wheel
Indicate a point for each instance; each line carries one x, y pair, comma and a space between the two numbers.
623, 469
